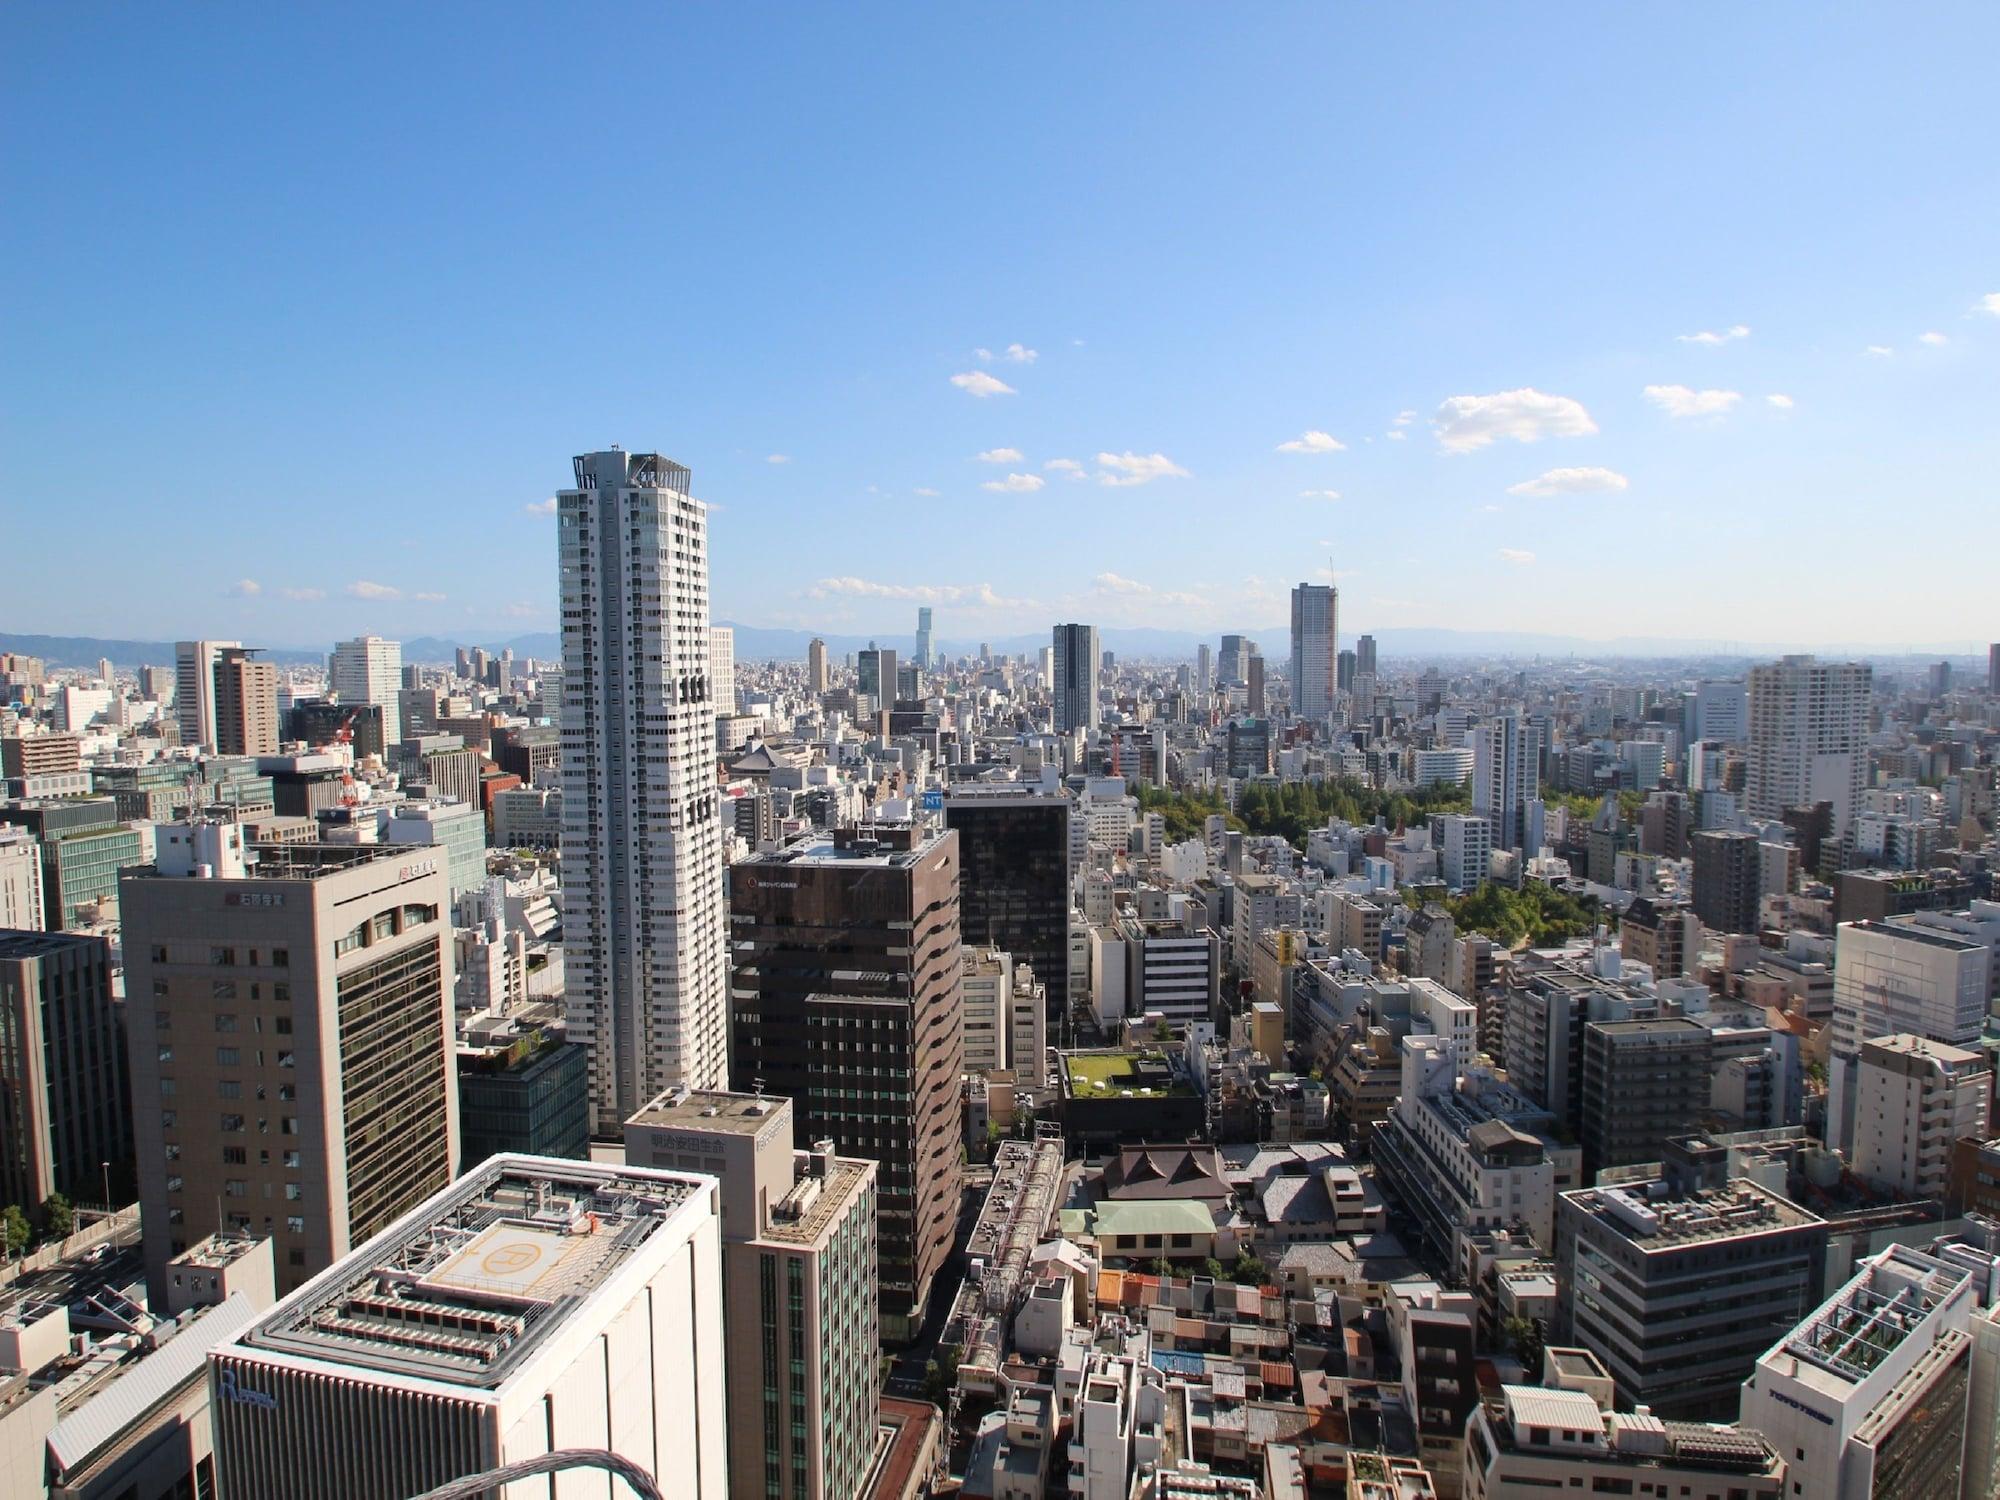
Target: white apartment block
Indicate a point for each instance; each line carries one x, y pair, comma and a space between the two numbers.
1893, 978
987, 984
1808, 737
644, 931
1446, 767
1913, 1099
722, 667
194, 689
1464, 849
1446, 1016
369, 669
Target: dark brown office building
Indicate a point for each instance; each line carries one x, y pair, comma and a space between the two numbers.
845, 999
1014, 840
1726, 873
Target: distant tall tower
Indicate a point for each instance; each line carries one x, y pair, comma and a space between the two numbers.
875, 675
1204, 668
1808, 737
194, 689
1364, 656
1506, 759
1315, 648
816, 665
369, 669
722, 666
924, 636
644, 933
1229, 664
1076, 663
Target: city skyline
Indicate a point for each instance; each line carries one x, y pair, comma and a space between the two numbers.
1489, 407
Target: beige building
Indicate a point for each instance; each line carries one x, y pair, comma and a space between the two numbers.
246, 704
1913, 1099
801, 1313
291, 1019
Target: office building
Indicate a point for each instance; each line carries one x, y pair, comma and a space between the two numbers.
722, 667
1253, 679
1644, 1082
1913, 1100
1808, 738
22, 905
533, 1305
65, 1111
1717, 713
82, 846
369, 669
846, 1001
456, 828
1893, 978
246, 704
1465, 849
1663, 936
1506, 781
529, 1095
1014, 843
923, 652
1230, 662
816, 678
875, 676
1076, 668
292, 1017
1204, 668
1866, 1398
1364, 657
801, 1317
1679, 1283
987, 984
643, 924
194, 690
1315, 649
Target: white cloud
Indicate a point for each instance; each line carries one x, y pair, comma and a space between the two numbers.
926, 491
984, 356
1728, 335
1464, 423
428, 598
1403, 419
952, 593
541, 507
1571, 482
1780, 400
1000, 456
1516, 556
363, 589
1016, 484
1881, 351
1319, 494
1932, 338
1395, 434
1490, 510
1137, 468
1313, 441
1021, 355
1990, 303
1067, 466
979, 383
1116, 585
1112, 583
1680, 401
249, 588
303, 595
777, 458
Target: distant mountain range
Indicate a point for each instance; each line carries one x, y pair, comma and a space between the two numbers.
758, 643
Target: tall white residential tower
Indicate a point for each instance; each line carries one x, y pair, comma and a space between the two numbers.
644, 931
1808, 737
369, 669
1315, 648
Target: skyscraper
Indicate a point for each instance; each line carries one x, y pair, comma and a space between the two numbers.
643, 928
722, 666
1015, 890
1315, 648
846, 1000
816, 665
245, 704
1076, 663
1808, 737
290, 1026
1993, 669
1364, 656
924, 636
194, 690
1204, 668
1229, 664
1506, 755
369, 669
875, 675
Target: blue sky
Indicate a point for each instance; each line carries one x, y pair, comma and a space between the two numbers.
307, 313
